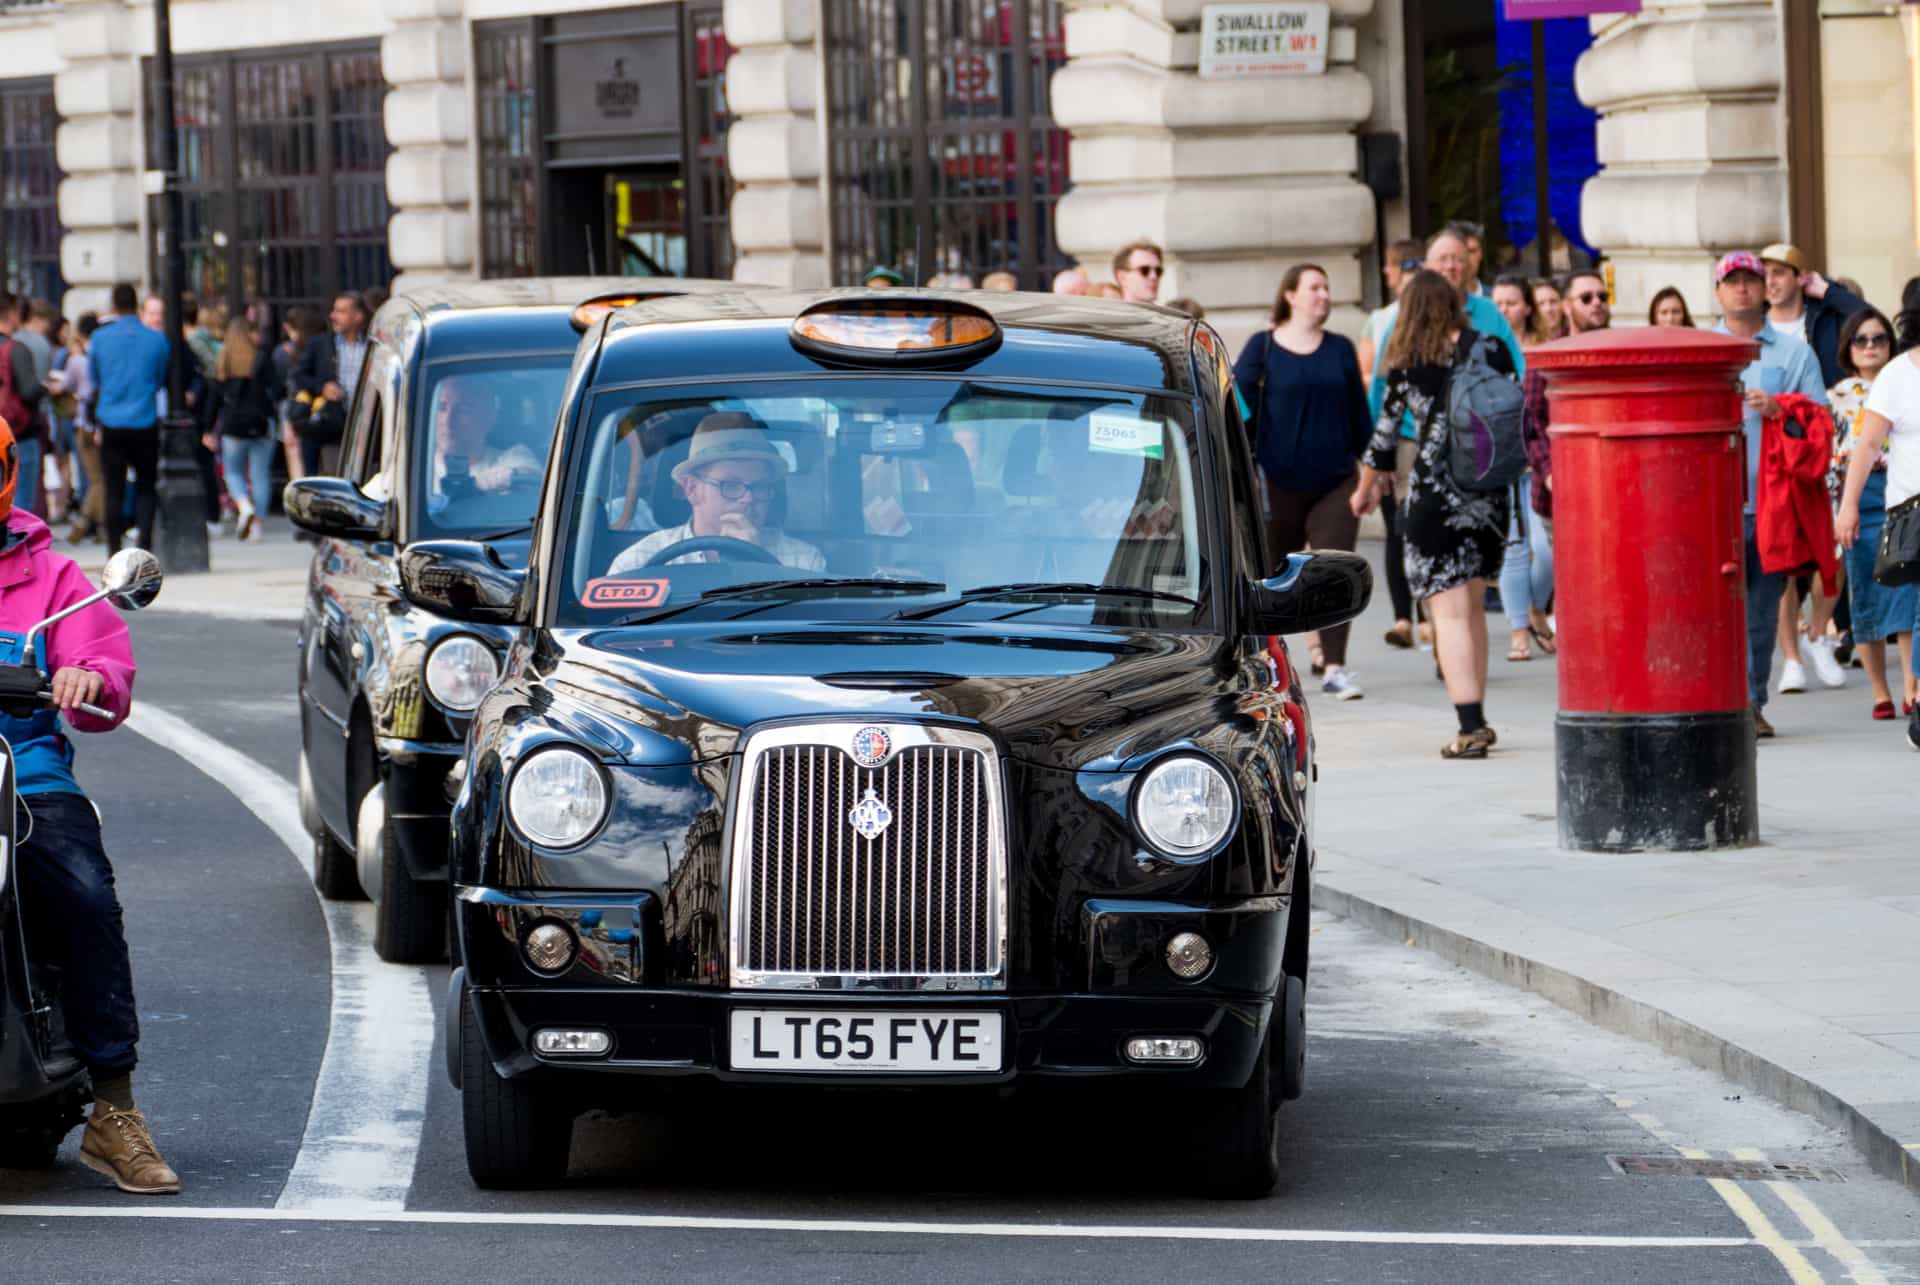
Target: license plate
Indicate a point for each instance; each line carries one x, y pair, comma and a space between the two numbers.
787, 1039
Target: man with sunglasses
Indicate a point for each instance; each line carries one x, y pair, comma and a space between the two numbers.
730, 477
1137, 268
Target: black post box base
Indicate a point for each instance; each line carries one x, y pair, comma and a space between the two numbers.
1670, 782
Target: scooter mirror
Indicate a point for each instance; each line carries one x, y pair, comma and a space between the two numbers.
132, 579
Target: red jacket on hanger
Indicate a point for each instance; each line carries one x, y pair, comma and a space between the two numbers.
1792, 516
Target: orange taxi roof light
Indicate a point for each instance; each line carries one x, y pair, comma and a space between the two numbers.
589, 312
893, 329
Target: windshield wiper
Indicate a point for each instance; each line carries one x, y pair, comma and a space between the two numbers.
507, 534
1060, 588
758, 587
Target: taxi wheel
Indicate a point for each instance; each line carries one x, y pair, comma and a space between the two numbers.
518, 1132
1238, 1136
409, 916
1293, 1038
333, 870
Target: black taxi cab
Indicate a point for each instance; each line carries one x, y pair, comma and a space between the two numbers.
897, 698
447, 437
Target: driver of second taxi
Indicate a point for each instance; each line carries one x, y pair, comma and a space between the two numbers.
466, 410
730, 477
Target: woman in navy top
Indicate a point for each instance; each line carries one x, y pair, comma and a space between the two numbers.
1310, 427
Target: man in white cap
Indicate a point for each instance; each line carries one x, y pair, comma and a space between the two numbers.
730, 477
1804, 304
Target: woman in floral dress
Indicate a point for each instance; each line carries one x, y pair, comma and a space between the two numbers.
1455, 539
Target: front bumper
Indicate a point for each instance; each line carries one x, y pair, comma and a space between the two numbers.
677, 1027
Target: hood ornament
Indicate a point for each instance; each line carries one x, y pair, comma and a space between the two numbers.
870, 817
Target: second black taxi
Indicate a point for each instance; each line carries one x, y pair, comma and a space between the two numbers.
895, 698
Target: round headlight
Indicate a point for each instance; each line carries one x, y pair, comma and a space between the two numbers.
558, 797
1184, 806
460, 668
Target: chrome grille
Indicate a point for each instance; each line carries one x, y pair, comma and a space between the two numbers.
920, 903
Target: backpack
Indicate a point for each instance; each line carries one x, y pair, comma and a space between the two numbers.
13, 407
1486, 410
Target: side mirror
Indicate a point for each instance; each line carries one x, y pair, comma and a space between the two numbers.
333, 506
463, 580
1313, 591
132, 579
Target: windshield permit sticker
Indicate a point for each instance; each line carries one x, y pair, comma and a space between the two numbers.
619, 591
1124, 435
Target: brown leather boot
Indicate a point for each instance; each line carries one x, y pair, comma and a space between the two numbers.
118, 1145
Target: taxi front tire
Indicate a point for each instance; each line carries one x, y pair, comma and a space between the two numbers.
1237, 1139
409, 917
518, 1132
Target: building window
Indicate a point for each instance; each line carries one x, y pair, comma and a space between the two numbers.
283, 184
707, 137
603, 142
29, 190
508, 130
943, 156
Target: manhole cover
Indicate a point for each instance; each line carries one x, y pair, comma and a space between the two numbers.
1738, 1170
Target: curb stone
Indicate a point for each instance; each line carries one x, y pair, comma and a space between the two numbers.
1619, 1012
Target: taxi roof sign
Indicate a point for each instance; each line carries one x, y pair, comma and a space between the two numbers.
588, 312
893, 329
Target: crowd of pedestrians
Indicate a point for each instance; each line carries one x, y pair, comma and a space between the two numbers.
90, 399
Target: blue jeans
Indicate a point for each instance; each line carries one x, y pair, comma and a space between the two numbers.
1763, 618
1526, 577
27, 488
74, 923
246, 460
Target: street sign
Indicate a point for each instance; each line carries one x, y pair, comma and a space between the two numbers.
1534, 10
1263, 40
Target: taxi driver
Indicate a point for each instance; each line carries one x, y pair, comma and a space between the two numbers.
465, 411
730, 477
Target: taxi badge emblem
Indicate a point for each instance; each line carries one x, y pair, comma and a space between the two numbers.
870, 817
870, 746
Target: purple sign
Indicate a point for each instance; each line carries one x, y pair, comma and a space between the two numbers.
1532, 10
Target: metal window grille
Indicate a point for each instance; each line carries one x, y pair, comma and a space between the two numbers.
943, 155
283, 173
707, 122
509, 166
513, 117
29, 188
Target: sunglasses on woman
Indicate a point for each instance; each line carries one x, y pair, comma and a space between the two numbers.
1870, 341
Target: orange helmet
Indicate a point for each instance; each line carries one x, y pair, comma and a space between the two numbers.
9, 469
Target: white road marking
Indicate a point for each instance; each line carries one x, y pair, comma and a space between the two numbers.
871, 1227
370, 1099
1860, 1268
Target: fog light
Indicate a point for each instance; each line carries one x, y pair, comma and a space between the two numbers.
560, 1043
1152, 1049
548, 946
1189, 956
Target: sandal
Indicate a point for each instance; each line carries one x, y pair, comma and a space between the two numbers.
1544, 641
1401, 636
1517, 650
1317, 659
1469, 745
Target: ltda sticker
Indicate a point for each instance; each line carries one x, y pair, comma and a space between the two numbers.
614, 591
1124, 435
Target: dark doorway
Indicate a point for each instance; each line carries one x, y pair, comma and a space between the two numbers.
623, 222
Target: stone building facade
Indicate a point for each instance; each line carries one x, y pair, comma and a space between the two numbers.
796, 141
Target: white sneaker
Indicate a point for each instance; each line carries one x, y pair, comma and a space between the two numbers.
1793, 677
244, 521
1341, 684
1825, 665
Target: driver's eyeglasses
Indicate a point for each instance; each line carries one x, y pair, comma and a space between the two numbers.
732, 489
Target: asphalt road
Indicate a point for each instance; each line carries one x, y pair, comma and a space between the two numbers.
1452, 1129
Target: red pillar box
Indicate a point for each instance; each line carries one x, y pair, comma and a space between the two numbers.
1654, 742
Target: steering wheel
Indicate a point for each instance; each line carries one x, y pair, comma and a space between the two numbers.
722, 544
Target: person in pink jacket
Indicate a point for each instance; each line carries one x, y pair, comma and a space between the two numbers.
66, 883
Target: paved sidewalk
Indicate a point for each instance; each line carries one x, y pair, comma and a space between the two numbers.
1793, 967
257, 580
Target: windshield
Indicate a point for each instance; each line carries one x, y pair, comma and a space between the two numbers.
886, 497
481, 451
